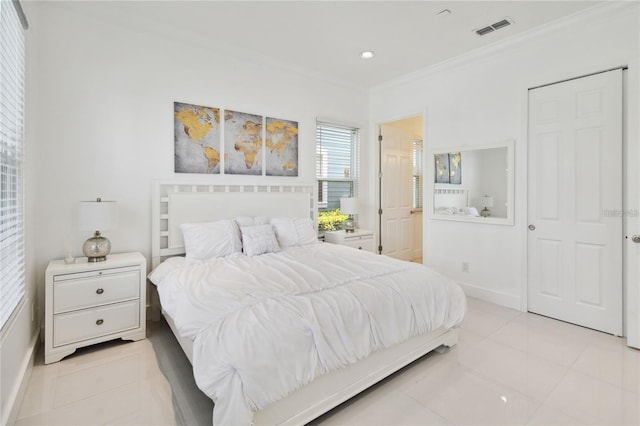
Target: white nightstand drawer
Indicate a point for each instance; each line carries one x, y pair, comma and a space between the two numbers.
89, 323
363, 243
361, 239
95, 289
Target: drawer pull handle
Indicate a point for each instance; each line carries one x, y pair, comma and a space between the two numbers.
99, 322
100, 291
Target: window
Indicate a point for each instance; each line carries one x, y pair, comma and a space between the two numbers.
337, 164
416, 152
12, 282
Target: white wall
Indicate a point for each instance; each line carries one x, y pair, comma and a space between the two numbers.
105, 110
482, 98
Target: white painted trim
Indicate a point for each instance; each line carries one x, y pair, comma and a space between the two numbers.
20, 387
631, 200
497, 297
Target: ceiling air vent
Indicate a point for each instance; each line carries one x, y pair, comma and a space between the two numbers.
493, 27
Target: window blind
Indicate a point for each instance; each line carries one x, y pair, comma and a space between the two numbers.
12, 276
337, 164
417, 151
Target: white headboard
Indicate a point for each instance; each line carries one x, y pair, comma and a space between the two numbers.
177, 202
450, 197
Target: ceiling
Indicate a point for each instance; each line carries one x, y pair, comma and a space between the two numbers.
324, 38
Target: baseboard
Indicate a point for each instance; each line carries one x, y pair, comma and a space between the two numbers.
15, 399
499, 298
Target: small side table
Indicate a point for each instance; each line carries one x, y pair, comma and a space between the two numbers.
88, 303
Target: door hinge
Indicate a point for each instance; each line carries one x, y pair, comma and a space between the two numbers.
380, 211
380, 249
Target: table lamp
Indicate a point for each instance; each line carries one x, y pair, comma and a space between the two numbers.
486, 201
97, 216
349, 206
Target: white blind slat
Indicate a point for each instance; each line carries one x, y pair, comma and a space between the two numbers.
12, 273
337, 164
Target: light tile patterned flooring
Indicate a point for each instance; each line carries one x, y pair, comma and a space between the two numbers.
509, 368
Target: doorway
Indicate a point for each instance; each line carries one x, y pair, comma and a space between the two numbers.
401, 190
574, 195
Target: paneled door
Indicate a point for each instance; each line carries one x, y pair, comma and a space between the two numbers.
397, 170
575, 201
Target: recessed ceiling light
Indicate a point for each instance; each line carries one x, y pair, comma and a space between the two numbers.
367, 54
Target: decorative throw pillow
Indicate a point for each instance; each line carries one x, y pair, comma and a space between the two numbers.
294, 231
203, 241
259, 239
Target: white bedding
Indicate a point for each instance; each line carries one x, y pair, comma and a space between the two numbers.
266, 325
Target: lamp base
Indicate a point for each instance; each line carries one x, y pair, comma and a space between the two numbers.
96, 248
485, 212
349, 225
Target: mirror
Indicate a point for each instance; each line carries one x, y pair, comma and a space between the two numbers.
473, 183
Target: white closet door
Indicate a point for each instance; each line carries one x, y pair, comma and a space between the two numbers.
575, 201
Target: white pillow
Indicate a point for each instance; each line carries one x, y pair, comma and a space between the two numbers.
294, 231
445, 211
469, 211
203, 241
259, 239
250, 221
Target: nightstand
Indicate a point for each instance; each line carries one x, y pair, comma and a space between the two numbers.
88, 303
361, 239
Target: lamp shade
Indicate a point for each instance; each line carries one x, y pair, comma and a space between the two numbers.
98, 215
486, 201
349, 205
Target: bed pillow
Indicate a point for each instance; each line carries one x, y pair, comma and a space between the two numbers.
445, 211
294, 231
203, 241
259, 239
469, 211
250, 221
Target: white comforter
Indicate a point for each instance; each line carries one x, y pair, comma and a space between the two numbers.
264, 326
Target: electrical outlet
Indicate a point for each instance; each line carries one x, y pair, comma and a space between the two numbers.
465, 266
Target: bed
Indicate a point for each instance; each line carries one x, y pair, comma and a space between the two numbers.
453, 202
207, 313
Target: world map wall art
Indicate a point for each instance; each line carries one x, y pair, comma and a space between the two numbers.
197, 138
249, 144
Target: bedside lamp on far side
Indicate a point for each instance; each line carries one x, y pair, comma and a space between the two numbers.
97, 216
349, 206
486, 201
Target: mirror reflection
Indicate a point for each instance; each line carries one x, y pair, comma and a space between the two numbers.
474, 184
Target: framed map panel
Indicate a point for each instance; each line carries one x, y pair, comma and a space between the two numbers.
196, 138
282, 147
242, 143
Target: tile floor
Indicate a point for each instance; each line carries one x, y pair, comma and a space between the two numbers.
509, 368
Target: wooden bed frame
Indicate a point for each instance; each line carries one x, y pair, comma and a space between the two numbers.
181, 201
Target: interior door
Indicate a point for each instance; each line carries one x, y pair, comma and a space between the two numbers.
575, 201
397, 172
